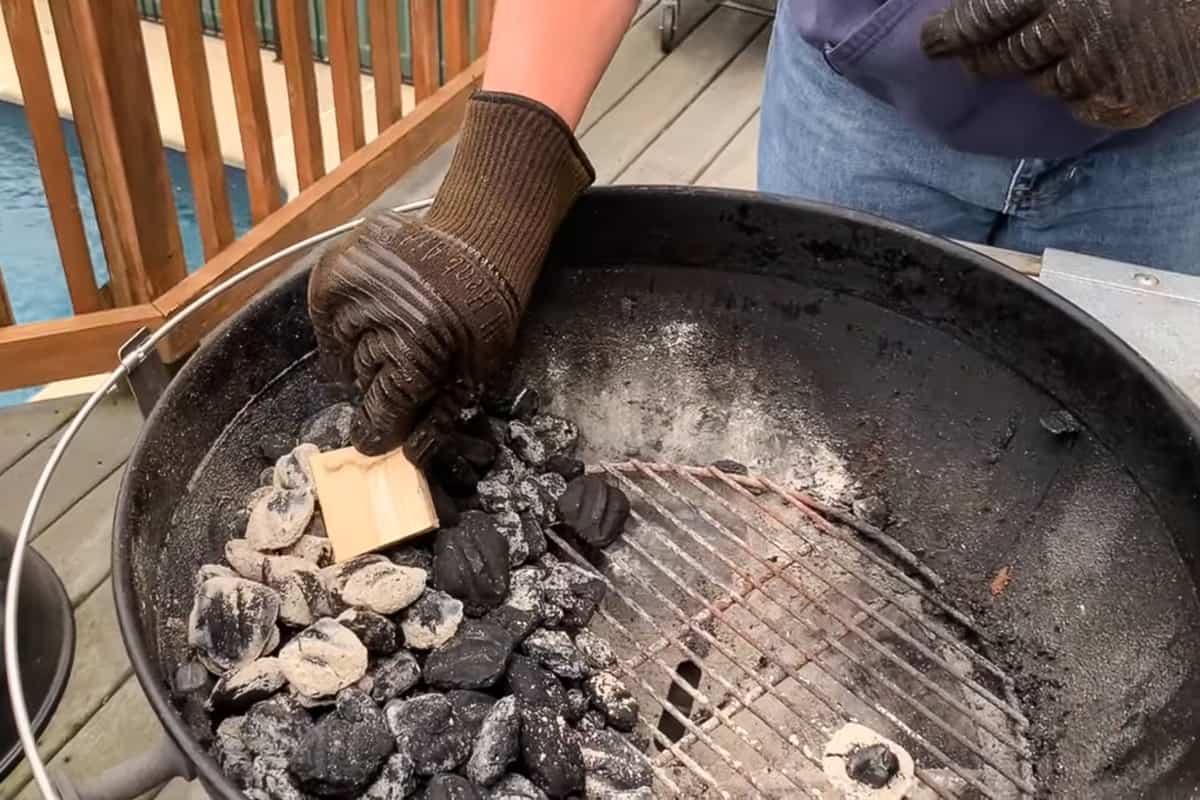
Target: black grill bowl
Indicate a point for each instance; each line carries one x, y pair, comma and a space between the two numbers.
691, 325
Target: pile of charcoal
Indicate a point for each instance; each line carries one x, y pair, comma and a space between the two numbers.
458, 665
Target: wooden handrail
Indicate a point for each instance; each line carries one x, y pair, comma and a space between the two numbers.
104, 63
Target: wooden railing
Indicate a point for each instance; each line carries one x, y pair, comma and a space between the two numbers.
108, 82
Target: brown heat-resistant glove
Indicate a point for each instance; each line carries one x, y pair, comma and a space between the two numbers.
1117, 63
417, 313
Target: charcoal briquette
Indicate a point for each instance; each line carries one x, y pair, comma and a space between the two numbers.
451, 787
576, 705
566, 466
497, 743
312, 548
517, 622
269, 775
507, 466
516, 787
533, 684
329, 428
274, 727
408, 555
238, 690
375, 631
323, 659
558, 435
535, 537
495, 492
231, 751
294, 470
470, 562
591, 720
550, 752
874, 765
450, 470
303, 597
556, 652
396, 780
432, 620
526, 444
279, 517
610, 759
271, 446
470, 708
609, 695
575, 591
509, 525
232, 621
597, 652
425, 729
344, 751
376, 584
526, 589
595, 511
473, 659
393, 676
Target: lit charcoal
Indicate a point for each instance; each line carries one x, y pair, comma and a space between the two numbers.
432, 620
314, 549
473, 659
612, 698
410, 556
517, 622
470, 562
275, 727
302, 594
393, 676
242, 688
556, 652
376, 584
574, 590
576, 705
532, 684
375, 631
565, 466
613, 764
329, 428
232, 621
323, 659
425, 729
451, 787
550, 752
595, 511
279, 517
269, 775
516, 787
270, 447
345, 750
526, 444
596, 652
397, 779
497, 744
293, 471
231, 751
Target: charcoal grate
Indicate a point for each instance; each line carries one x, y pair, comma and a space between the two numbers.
753, 624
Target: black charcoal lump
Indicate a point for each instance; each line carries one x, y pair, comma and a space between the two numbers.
565, 466
470, 562
474, 658
613, 699
595, 511
533, 684
392, 677
597, 652
323, 659
558, 435
302, 595
396, 780
470, 708
517, 622
556, 652
232, 621
274, 727
516, 787
269, 776
613, 764
497, 743
576, 705
329, 428
451, 787
238, 690
432, 620
426, 731
231, 751
345, 750
550, 752
279, 517
573, 591
375, 631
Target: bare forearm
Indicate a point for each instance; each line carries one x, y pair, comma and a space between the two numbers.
554, 51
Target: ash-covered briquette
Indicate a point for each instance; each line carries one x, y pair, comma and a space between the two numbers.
593, 510
345, 750
613, 765
385, 687
874, 765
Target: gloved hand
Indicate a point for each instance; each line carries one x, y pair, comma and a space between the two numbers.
1117, 63
417, 313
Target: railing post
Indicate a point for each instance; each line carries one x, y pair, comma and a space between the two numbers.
109, 84
423, 24
6, 310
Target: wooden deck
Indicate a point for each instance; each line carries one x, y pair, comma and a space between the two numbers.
687, 117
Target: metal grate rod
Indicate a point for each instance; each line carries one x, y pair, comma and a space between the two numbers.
817, 601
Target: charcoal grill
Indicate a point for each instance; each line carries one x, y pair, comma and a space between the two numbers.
1025, 625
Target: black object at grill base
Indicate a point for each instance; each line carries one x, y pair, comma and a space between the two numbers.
813, 345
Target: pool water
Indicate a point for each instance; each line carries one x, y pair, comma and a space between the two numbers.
28, 250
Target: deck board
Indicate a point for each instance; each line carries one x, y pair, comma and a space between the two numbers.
635, 128
623, 133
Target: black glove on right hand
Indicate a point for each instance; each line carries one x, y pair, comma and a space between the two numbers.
1116, 63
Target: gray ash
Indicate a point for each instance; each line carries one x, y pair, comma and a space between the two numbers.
456, 666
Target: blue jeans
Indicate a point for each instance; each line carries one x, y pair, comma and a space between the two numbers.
822, 138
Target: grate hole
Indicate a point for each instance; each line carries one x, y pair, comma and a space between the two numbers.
668, 724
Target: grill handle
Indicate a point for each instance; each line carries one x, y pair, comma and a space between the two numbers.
129, 779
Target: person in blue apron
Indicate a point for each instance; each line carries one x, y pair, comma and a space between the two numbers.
1027, 124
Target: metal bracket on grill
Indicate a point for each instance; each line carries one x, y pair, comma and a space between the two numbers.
148, 376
